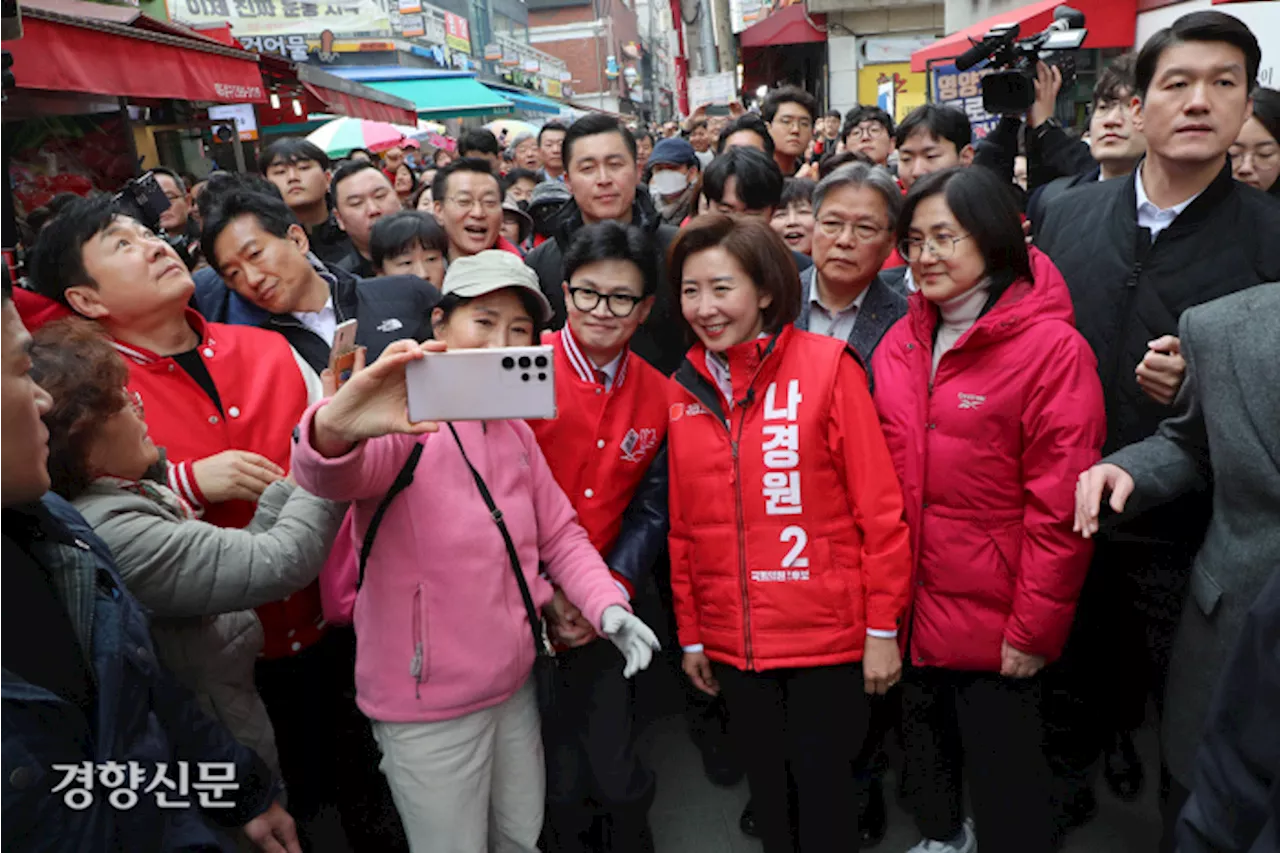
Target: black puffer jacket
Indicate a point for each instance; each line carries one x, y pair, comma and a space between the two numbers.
660, 341
1128, 291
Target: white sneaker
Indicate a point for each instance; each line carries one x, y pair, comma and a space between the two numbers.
969, 843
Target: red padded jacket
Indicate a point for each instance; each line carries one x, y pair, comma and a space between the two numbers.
787, 533
988, 455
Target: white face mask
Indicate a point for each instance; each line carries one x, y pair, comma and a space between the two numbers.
668, 182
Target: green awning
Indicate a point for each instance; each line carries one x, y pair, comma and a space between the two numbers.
446, 97
528, 101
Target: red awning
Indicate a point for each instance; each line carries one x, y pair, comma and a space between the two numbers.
1110, 24
322, 92
788, 25
64, 54
345, 97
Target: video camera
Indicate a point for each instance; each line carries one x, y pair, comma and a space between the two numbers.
1012, 89
144, 200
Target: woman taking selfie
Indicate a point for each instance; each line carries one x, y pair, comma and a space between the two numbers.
445, 646
991, 406
789, 560
200, 581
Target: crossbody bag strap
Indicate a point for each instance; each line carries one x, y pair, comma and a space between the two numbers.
540, 644
401, 482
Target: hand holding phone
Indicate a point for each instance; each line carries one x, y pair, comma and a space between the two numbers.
373, 402
506, 383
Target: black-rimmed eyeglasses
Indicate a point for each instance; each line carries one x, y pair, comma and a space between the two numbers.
620, 304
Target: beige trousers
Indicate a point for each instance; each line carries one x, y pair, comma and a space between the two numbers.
471, 785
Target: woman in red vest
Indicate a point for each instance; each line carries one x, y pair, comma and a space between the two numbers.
606, 449
991, 407
789, 553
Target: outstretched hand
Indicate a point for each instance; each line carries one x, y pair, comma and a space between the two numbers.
373, 402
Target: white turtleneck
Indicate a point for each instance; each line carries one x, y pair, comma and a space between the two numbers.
958, 314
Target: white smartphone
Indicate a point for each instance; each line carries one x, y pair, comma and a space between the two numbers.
482, 385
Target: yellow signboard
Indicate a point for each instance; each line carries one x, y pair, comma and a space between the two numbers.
909, 86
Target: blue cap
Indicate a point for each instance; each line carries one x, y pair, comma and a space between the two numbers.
674, 151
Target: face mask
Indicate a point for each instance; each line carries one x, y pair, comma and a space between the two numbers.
668, 182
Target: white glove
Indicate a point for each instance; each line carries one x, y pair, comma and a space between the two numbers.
632, 637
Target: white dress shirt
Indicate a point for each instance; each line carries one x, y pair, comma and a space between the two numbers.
1153, 218
323, 322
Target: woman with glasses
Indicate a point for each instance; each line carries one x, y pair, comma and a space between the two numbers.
199, 581
1255, 155
991, 406
789, 553
606, 448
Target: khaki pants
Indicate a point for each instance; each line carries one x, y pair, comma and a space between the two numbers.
476, 784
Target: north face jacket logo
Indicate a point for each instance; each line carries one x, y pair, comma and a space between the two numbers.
390, 325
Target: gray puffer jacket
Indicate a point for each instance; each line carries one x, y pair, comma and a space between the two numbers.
201, 583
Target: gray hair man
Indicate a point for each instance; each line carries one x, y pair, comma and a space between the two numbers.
845, 295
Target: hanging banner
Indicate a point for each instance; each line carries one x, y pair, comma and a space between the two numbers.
457, 32
963, 90
282, 17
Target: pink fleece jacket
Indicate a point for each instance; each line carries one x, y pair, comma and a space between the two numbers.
441, 625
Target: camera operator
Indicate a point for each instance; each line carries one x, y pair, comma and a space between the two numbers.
1116, 144
183, 233
1051, 152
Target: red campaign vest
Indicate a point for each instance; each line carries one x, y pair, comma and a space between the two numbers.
601, 443
767, 565
263, 397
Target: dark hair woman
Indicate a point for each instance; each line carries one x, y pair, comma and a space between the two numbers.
1255, 155
991, 405
789, 555
200, 581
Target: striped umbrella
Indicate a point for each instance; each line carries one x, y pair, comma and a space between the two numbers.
336, 138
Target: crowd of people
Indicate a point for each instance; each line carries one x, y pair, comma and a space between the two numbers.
1018, 477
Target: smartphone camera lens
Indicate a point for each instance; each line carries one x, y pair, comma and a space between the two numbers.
508, 363
524, 376
524, 361
540, 361
542, 377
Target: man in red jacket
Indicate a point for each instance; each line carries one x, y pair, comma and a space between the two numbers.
607, 451
223, 401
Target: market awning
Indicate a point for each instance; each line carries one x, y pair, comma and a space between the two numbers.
527, 101
344, 97
789, 25
61, 53
435, 94
1110, 23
